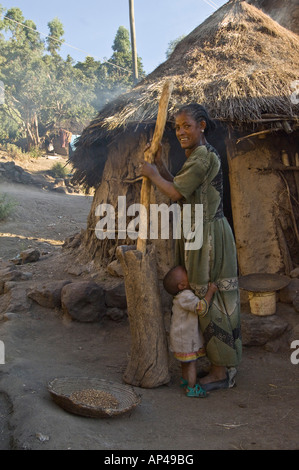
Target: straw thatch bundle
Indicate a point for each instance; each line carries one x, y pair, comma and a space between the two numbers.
239, 64
285, 12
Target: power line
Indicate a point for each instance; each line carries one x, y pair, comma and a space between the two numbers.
214, 3
66, 44
211, 4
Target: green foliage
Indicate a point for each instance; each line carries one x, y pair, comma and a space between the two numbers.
7, 205
121, 42
14, 151
172, 44
54, 39
59, 171
10, 128
122, 58
35, 152
44, 91
114, 76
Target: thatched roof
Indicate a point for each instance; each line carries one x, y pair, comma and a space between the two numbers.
285, 12
239, 63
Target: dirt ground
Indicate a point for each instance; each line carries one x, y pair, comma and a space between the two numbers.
259, 413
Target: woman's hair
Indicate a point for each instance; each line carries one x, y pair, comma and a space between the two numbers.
198, 113
172, 279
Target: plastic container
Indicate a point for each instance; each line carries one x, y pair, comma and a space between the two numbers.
262, 303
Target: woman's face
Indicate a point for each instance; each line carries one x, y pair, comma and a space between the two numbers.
189, 132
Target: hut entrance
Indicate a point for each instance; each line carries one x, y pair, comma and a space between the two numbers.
218, 141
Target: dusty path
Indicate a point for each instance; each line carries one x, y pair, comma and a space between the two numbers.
261, 412
41, 219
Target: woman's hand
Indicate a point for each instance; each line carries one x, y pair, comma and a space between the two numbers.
149, 170
159, 175
158, 156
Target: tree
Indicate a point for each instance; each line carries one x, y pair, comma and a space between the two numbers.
113, 76
40, 88
43, 91
54, 39
68, 93
121, 44
122, 71
22, 73
13, 22
172, 44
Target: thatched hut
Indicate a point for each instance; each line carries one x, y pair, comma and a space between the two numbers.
242, 66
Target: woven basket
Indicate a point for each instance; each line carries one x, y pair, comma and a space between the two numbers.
62, 388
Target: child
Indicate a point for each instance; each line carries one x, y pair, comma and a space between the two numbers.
186, 340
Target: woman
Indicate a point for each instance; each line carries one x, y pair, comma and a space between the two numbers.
200, 182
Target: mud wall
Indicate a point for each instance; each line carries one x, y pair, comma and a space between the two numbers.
123, 159
261, 205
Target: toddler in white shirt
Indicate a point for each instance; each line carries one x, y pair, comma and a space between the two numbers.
186, 339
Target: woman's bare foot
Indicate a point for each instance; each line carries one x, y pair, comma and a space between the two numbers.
215, 374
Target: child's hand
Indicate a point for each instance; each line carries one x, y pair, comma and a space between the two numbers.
211, 290
212, 287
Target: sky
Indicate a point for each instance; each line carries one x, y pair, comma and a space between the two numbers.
90, 26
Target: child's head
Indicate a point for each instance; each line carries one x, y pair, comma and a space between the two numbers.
176, 280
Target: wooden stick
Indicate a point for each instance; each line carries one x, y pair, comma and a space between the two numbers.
150, 154
267, 131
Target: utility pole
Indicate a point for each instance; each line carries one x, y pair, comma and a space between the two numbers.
133, 41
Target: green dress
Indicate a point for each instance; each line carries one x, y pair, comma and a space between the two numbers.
200, 182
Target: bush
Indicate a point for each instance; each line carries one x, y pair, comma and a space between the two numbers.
59, 171
35, 152
7, 205
14, 151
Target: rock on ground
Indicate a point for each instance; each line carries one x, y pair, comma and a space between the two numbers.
83, 301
